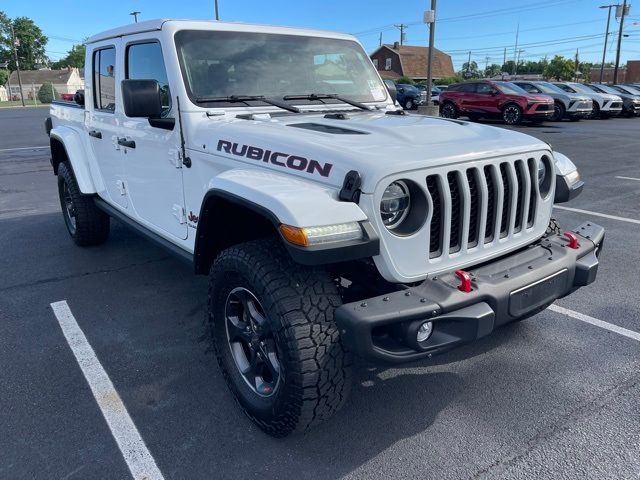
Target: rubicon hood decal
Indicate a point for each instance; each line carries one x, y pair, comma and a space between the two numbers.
281, 159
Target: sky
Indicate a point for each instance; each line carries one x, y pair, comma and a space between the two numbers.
485, 28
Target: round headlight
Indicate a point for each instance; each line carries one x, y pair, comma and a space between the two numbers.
542, 173
395, 204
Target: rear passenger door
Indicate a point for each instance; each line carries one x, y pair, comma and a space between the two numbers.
151, 163
102, 119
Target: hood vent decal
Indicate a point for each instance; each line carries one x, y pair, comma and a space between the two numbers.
323, 128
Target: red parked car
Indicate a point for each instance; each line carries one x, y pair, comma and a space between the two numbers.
493, 99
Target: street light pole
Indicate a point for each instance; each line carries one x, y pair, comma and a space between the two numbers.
615, 71
432, 34
606, 38
15, 57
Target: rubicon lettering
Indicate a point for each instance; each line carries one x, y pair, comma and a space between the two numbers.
281, 159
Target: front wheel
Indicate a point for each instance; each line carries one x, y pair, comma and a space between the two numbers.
449, 110
409, 105
512, 114
595, 110
86, 223
558, 112
275, 337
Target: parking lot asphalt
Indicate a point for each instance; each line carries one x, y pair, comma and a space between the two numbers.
550, 397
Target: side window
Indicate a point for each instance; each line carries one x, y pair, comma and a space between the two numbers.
104, 79
144, 62
530, 88
387, 64
484, 88
467, 87
375, 63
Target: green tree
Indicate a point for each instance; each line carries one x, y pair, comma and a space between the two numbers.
492, 70
47, 93
470, 70
560, 68
4, 76
31, 43
74, 58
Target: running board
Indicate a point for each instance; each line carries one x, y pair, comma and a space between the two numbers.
144, 231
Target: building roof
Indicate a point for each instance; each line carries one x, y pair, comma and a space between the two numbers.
414, 61
38, 77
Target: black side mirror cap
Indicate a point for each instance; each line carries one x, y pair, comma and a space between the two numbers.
78, 97
141, 98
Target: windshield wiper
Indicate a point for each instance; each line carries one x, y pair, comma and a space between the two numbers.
326, 96
248, 98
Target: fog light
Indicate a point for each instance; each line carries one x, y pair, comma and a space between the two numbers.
424, 332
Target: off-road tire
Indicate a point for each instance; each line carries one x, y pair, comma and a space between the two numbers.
554, 227
91, 224
299, 304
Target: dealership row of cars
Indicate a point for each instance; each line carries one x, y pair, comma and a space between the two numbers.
538, 101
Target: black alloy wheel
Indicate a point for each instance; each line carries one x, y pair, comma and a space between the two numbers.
512, 114
558, 112
449, 110
251, 342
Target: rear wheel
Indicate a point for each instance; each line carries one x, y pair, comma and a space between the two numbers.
558, 112
409, 105
86, 223
449, 110
512, 114
275, 337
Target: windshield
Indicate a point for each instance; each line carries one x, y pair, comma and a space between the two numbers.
511, 88
606, 89
223, 64
582, 88
548, 88
631, 90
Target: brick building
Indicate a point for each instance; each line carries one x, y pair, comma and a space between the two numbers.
628, 74
394, 61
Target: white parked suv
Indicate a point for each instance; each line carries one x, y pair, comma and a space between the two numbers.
330, 222
605, 105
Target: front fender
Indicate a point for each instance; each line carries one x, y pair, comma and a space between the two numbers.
74, 151
290, 200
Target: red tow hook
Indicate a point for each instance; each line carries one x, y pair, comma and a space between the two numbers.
573, 240
465, 281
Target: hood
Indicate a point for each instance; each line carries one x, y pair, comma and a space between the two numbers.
323, 148
539, 98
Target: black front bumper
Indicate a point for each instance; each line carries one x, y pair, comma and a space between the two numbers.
383, 328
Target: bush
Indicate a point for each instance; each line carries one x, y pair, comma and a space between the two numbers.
405, 80
47, 93
448, 80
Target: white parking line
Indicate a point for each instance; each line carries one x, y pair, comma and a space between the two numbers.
22, 148
596, 214
138, 458
629, 178
594, 321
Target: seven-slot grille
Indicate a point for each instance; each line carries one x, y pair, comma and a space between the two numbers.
480, 204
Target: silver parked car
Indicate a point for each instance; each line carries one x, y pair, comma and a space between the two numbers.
566, 104
630, 101
605, 105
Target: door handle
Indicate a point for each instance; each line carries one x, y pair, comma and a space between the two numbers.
95, 134
126, 143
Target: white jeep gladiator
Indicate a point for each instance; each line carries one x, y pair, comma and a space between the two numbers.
330, 222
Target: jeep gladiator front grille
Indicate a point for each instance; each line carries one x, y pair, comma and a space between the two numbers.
472, 206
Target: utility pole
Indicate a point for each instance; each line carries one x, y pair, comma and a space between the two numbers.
518, 61
217, 11
575, 76
432, 34
402, 28
606, 38
469, 65
14, 41
615, 70
380, 41
135, 16
515, 51
504, 60
486, 64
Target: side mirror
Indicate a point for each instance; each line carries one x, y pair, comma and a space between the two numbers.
141, 98
78, 97
393, 91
